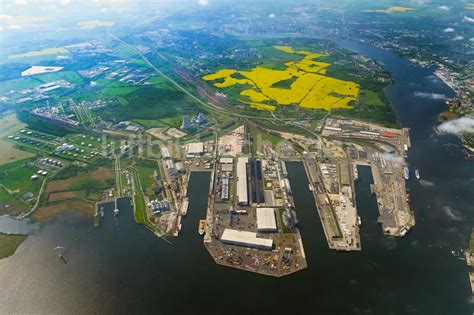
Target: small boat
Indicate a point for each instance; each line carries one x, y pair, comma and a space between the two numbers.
311, 187
202, 227
184, 206
403, 231
408, 200
406, 173
356, 172
101, 212
417, 174
116, 212
359, 221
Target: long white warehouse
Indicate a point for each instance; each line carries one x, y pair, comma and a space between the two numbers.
247, 239
242, 189
266, 221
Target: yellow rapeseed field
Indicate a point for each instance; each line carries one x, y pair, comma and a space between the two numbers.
309, 87
392, 10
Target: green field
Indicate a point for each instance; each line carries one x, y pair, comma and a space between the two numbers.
9, 244
70, 76
18, 84
147, 175
371, 98
114, 88
15, 179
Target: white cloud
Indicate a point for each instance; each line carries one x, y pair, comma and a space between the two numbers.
443, 7
14, 27
433, 96
203, 3
271, 15
468, 19
21, 2
471, 39
5, 17
448, 30
426, 183
64, 2
459, 37
458, 126
452, 214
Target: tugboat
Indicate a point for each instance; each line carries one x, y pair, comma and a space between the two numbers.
406, 173
417, 174
202, 227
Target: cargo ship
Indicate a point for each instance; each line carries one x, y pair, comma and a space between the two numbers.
406, 173
202, 227
417, 174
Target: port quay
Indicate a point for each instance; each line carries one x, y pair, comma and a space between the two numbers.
251, 221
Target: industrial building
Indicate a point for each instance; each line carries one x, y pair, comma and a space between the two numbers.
247, 239
242, 185
266, 221
256, 181
165, 153
157, 206
195, 148
227, 164
226, 160
186, 124
170, 167
180, 168
225, 188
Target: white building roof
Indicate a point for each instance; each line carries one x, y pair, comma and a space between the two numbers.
195, 148
226, 160
242, 192
165, 153
266, 221
245, 238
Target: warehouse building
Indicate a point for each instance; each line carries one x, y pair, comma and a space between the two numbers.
226, 160
242, 185
225, 188
266, 221
247, 239
256, 180
165, 153
195, 148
